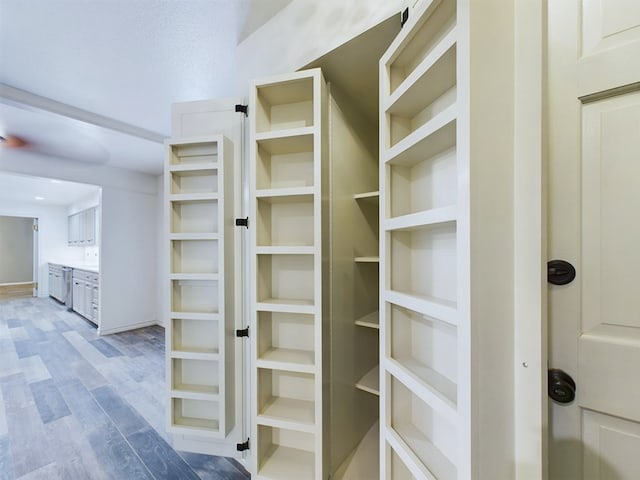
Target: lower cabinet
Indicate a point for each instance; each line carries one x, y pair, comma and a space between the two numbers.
56, 283
86, 294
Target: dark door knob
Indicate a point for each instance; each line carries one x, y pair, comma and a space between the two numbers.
562, 388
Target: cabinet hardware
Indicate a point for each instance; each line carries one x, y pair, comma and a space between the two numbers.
560, 272
242, 222
241, 447
242, 333
242, 109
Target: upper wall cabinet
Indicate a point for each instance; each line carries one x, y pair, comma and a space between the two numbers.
83, 228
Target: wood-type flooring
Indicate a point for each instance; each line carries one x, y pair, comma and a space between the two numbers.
75, 405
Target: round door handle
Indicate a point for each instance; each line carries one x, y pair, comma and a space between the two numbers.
562, 388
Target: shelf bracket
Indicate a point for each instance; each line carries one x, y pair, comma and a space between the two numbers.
241, 447
243, 109
242, 333
242, 222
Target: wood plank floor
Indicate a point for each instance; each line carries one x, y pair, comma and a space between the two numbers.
74, 405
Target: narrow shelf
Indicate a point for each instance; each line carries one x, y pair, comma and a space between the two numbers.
194, 425
188, 390
370, 382
282, 194
194, 167
439, 309
286, 462
194, 354
368, 196
420, 452
439, 383
200, 396
173, 315
435, 136
367, 259
194, 236
194, 276
421, 219
403, 99
288, 413
192, 197
285, 250
371, 320
437, 400
287, 359
285, 306
287, 140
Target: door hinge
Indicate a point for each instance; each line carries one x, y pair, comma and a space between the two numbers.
243, 109
242, 222
404, 16
241, 447
35, 227
242, 333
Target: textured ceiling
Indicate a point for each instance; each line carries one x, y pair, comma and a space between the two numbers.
93, 80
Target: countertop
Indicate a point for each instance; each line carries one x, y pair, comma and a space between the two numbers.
80, 266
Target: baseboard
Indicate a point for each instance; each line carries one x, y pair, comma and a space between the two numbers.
126, 328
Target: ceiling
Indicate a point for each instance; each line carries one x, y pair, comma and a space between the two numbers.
93, 81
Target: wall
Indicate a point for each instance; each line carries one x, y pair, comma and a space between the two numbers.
128, 253
52, 236
16, 249
304, 31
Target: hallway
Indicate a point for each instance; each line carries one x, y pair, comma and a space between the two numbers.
74, 405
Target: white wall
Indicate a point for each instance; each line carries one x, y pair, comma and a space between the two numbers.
128, 257
304, 31
52, 237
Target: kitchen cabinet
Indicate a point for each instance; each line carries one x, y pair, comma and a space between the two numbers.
56, 282
83, 227
86, 292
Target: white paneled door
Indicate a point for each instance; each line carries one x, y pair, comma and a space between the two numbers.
594, 197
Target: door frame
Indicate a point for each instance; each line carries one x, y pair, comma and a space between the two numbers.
530, 239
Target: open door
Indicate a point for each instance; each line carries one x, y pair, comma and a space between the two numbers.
594, 146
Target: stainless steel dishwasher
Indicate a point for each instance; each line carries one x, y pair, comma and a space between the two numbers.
67, 287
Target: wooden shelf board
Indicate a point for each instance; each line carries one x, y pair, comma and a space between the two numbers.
193, 316
285, 250
210, 391
282, 142
418, 220
370, 382
368, 196
371, 320
402, 101
437, 400
437, 135
436, 308
195, 353
298, 414
286, 462
286, 195
193, 167
421, 452
367, 259
364, 462
194, 395
199, 425
194, 276
194, 236
286, 306
297, 360
435, 380
192, 197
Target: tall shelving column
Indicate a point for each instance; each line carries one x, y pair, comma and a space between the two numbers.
422, 418
287, 118
200, 357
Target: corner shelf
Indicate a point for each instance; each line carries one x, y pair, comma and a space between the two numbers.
370, 382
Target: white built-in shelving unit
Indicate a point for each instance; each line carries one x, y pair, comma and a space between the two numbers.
422, 418
199, 176
287, 120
